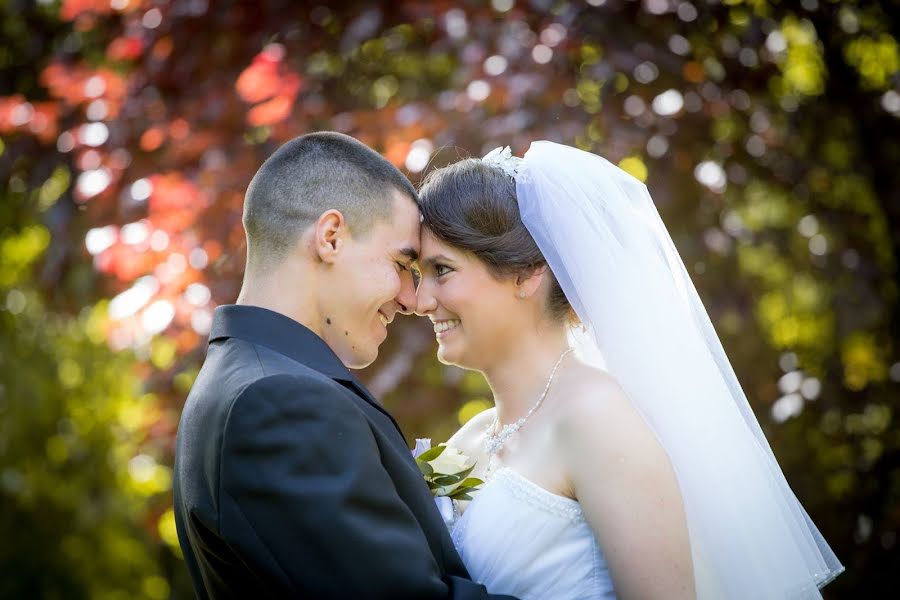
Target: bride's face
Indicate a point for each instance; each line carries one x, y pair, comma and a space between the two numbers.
475, 315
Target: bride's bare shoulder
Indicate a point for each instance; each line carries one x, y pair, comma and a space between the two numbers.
595, 398
470, 437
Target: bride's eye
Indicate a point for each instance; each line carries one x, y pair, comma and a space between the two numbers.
441, 270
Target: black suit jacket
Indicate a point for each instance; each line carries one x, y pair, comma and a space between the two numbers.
292, 481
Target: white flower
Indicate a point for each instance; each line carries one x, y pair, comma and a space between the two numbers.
446, 472
450, 462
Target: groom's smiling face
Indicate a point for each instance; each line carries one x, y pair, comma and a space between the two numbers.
373, 281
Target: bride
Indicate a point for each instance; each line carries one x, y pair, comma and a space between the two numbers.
621, 459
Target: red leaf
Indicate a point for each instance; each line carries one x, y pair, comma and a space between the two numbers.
175, 203
72, 9
45, 121
258, 81
125, 48
9, 104
270, 112
152, 139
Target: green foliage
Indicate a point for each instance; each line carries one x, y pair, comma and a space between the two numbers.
803, 67
75, 490
876, 59
19, 252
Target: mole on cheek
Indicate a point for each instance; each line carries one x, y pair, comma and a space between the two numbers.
328, 320
346, 333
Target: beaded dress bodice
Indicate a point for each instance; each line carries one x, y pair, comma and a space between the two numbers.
517, 538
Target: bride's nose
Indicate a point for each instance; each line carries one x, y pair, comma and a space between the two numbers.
425, 300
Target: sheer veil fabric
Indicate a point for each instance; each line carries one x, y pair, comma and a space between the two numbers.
604, 240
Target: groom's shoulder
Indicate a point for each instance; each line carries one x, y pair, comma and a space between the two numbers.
292, 381
238, 373
284, 400
236, 365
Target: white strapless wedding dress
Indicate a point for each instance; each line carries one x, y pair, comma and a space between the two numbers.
517, 538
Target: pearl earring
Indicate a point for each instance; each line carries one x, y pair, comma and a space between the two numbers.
522, 294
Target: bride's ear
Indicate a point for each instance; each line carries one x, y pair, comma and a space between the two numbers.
528, 282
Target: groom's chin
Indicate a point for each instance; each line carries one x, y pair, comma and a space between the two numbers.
360, 358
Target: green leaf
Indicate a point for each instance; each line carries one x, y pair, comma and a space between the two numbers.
472, 482
461, 489
431, 454
460, 497
425, 468
447, 479
464, 474
446, 490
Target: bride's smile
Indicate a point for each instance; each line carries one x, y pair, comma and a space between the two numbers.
441, 328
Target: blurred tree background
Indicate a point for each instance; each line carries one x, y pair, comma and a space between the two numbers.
768, 133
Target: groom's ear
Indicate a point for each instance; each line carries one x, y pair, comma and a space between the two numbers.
529, 281
329, 234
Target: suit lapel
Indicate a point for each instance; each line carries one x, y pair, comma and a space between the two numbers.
363, 393
290, 338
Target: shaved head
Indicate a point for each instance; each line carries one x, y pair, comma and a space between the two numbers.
308, 176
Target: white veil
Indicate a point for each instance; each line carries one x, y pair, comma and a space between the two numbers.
603, 239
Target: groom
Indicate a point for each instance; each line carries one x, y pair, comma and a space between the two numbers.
291, 480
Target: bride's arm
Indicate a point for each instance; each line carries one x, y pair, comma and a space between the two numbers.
624, 481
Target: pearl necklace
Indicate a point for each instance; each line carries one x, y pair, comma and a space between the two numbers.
495, 441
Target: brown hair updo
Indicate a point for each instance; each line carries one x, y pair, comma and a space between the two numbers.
472, 206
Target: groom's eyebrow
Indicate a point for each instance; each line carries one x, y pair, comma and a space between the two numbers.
410, 253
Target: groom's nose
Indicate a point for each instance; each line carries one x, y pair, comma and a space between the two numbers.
406, 297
